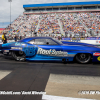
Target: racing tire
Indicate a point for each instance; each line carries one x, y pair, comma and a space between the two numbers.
83, 58
18, 55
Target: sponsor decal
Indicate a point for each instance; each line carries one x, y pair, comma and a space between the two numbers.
98, 58
30, 51
6, 50
96, 54
20, 44
51, 52
19, 48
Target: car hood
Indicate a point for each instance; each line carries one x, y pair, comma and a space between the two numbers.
75, 46
77, 43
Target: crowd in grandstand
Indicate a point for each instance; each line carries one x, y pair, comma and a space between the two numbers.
84, 24
49, 24
23, 25
91, 21
56, 24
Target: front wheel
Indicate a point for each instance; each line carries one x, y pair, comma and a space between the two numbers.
83, 58
18, 55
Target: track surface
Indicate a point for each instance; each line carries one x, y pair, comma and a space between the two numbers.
33, 76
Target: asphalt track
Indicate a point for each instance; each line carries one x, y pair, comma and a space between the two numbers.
33, 76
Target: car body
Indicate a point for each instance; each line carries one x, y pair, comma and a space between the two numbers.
49, 49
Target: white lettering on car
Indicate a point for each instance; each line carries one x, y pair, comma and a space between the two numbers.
51, 52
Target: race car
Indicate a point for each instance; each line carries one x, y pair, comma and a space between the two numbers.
50, 49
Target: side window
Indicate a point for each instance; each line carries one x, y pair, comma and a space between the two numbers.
38, 41
43, 42
50, 42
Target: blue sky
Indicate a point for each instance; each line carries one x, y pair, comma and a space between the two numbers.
17, 8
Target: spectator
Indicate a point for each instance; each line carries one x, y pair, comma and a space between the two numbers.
4, 38
20, 37
15, 38
35, 33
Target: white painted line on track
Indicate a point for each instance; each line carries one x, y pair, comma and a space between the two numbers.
50, 97
4, 73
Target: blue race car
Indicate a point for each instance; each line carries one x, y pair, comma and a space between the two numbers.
49, 49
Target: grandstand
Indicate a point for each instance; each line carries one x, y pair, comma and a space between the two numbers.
71, 19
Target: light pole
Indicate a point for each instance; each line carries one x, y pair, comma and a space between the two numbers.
10, 12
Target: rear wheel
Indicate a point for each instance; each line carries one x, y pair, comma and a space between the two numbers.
83, 58
18, 55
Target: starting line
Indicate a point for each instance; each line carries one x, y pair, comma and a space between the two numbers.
50, 97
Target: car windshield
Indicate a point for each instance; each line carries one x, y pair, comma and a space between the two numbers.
58, 41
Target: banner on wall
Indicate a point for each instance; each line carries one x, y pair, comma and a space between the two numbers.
89, 38
1, 30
